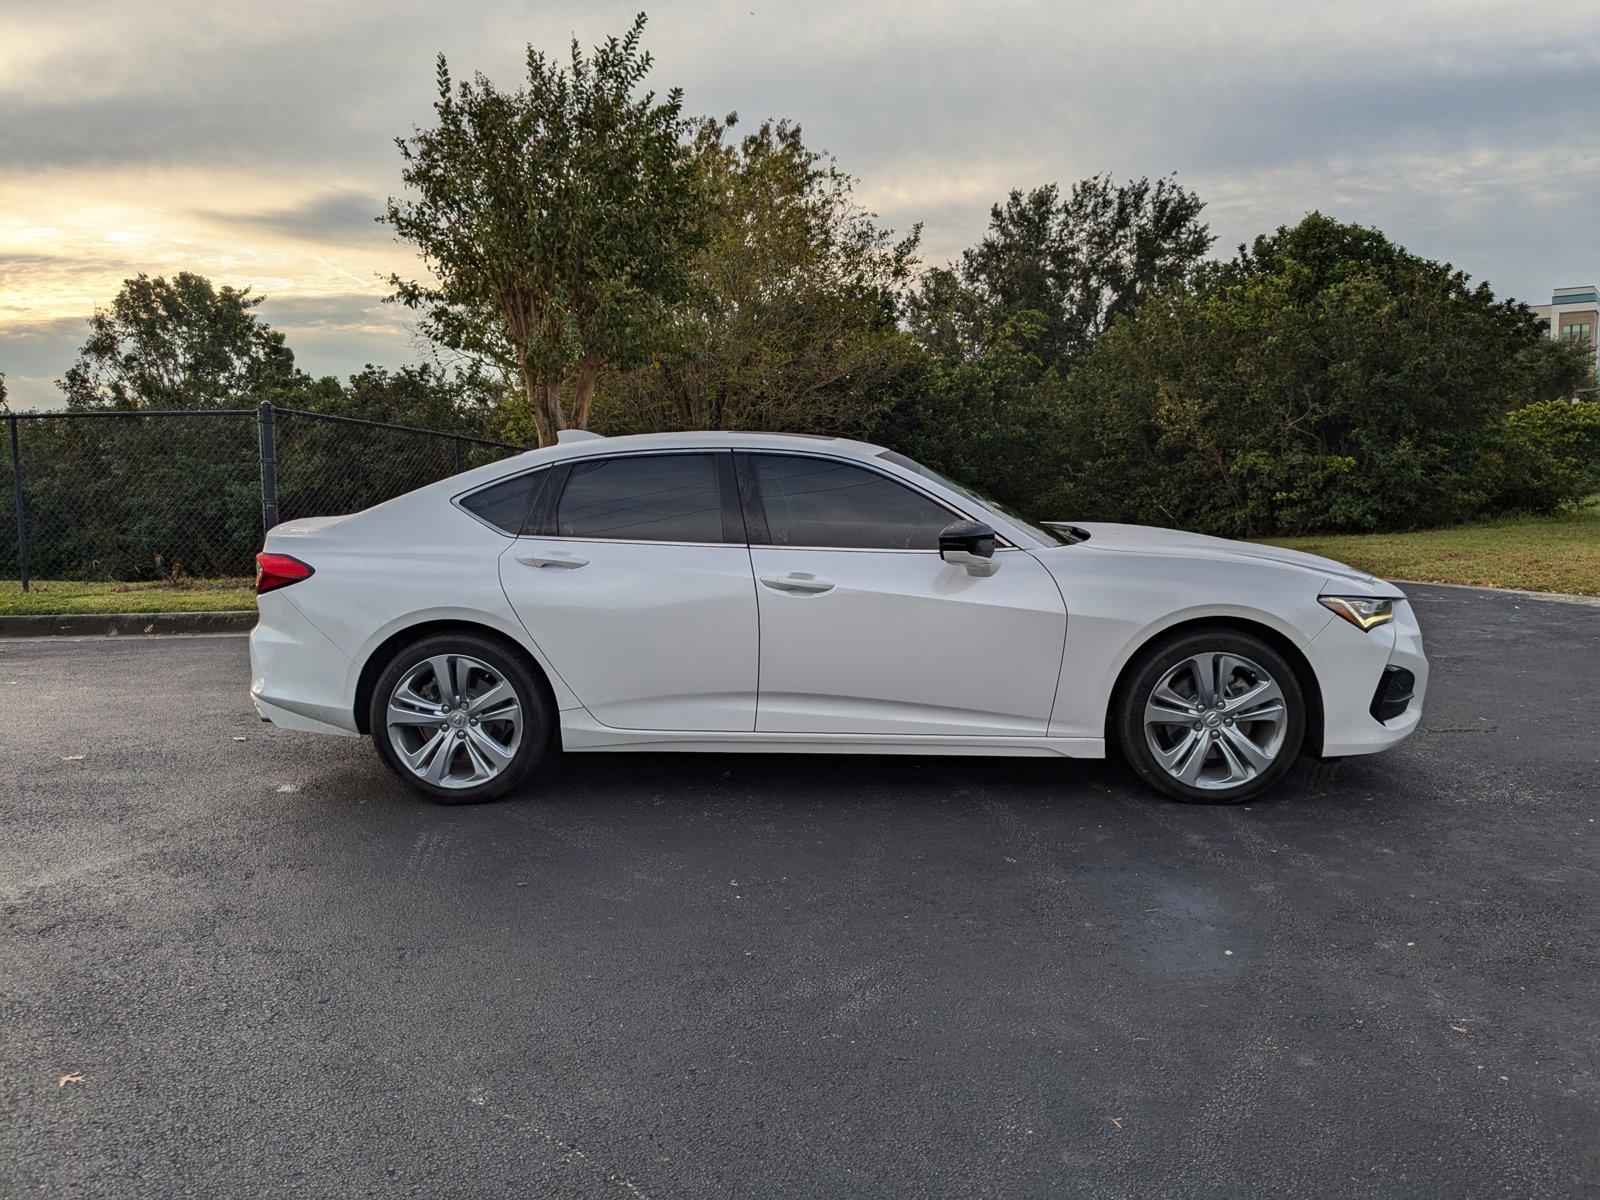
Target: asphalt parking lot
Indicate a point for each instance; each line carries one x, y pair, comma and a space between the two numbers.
260, 967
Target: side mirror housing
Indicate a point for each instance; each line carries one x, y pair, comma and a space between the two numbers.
969, 544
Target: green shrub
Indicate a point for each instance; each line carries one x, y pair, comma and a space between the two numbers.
1552, 454
1324, 381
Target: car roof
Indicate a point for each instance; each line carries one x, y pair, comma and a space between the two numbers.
593, 444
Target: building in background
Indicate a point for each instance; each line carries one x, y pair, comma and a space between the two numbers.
1574, 312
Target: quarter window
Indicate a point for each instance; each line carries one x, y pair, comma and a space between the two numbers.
819, 502
505, 504
646, 497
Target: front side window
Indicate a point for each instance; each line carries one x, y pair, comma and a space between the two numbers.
822, 503
1045, 536
645, 497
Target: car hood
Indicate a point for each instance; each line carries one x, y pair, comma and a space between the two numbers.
1151, 539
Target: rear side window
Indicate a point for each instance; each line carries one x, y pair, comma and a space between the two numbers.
645, 497
505, 504
819, 502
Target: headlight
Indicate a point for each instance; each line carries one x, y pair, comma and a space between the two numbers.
1364, 612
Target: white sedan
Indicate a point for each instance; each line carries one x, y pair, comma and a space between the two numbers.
762, 592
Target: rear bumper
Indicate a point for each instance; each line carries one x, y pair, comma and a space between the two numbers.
298, 678
284, 718
1351, 667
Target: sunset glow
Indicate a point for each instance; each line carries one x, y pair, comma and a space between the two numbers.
255, 146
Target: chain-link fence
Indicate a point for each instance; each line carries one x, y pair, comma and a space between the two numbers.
150, 495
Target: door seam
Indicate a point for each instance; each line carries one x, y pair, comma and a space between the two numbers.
755, 598
1066, 623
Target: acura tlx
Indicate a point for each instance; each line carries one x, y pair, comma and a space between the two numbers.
795, 594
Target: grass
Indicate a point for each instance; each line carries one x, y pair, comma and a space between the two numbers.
55, 596
1539, 554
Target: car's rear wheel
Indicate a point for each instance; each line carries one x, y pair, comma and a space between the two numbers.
459, 718
1214, 716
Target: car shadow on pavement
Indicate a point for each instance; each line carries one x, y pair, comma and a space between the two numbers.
591, 781
577, 777
749, 788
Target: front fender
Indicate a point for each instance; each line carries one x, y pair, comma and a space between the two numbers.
1117, 603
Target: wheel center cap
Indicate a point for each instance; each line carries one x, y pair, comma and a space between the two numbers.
1212, 719
458, 719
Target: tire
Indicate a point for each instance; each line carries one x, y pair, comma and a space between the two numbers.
480, 750
1185, 745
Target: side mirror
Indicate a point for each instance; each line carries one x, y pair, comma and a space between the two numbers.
969, 544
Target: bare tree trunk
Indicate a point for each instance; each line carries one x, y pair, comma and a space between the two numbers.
541, 419
552, 414
588, 377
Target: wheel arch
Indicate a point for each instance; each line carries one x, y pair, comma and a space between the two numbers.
383, 654
1292, 654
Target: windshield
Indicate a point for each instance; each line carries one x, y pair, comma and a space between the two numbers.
1044, 536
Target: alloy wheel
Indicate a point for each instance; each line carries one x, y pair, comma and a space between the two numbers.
1215, 720
454, 721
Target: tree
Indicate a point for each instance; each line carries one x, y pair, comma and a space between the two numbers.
558, 222
1078, 262
179, 343
992, 417
1001, 328
1561, 369
790, 322
1325, 379
422, 395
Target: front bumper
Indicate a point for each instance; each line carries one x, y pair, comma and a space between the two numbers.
1351, 667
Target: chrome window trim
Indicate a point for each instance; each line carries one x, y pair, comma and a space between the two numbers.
563, 537
864, 549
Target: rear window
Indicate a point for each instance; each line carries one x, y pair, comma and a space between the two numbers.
645, 497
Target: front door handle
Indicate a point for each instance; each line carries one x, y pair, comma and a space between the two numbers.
797, 581
556, 558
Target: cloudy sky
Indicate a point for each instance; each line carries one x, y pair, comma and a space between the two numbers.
253, 143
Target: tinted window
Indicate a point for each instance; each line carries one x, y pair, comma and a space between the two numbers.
1046, 537
818, 502
504, 504
658, 498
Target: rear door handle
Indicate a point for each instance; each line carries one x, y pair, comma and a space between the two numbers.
555, 559
797, 581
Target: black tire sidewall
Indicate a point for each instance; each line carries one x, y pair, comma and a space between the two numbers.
536, 711
1162, 657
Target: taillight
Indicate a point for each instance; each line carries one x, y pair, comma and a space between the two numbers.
279, 570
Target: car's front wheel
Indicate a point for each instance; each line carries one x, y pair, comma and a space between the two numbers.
1212, 716
460, 718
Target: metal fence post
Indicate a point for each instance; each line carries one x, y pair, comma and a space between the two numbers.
265, 425
457, 441
17, 501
